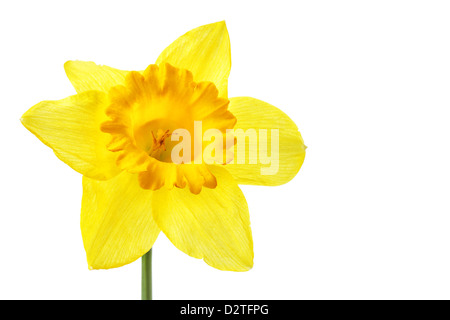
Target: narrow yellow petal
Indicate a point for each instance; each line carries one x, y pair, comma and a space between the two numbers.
116, 221
86, 75
256, 114
205, 51
71, 127
213, 225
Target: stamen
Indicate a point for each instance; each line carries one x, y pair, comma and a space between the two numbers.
159, 144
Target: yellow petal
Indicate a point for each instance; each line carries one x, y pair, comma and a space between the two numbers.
205, 51
86, 75
71, 127
213, 225
116, 221
256, 114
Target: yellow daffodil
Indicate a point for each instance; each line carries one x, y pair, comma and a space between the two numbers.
118, 131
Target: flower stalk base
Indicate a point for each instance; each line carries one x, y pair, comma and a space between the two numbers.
147, 276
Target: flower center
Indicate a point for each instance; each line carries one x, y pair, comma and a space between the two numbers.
159, 143
144, 114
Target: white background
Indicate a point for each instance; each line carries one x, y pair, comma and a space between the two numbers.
367, 83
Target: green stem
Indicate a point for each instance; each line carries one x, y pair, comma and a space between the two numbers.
147, 276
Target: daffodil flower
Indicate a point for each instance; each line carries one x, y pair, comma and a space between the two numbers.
118, 132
